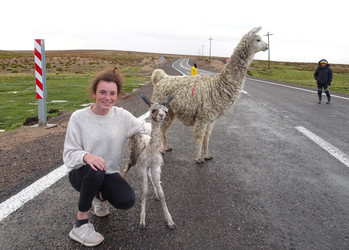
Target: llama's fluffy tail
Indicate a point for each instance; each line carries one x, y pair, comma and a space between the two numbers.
157, 75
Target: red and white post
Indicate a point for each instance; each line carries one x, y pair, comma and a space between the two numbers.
40, 79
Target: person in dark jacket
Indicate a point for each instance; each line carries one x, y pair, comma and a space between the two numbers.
323, 76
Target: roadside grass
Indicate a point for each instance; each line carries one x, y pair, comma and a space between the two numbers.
302, 74
64, 92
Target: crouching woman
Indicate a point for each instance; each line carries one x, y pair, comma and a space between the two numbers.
92, 151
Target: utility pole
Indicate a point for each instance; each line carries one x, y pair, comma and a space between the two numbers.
210, 45
268, 34
202, 51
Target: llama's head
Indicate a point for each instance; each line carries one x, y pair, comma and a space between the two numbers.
157, 111
256, 41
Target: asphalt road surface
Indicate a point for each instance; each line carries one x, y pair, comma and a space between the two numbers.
182, 66
269, 185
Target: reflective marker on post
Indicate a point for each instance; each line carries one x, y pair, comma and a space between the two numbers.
40, 79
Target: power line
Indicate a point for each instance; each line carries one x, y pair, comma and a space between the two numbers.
210, 44
268, 34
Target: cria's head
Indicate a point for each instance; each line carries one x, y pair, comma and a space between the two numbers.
157, 111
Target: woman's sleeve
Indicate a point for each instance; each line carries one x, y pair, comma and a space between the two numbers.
136, 125
73, 152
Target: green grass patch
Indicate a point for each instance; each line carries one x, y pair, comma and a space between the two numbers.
18, 98
301, 75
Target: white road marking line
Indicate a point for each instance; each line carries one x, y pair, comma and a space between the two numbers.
200, 71
339, 155
176, 68
244, 92
291, 87
15, 202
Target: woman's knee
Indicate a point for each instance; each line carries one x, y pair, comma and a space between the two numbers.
95, 176
126, 203
124, 200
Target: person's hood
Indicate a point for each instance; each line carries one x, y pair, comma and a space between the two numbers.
319, 64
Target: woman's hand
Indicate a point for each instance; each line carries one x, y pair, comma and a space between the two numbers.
95, 162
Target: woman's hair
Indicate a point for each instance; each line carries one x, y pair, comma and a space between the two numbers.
110, 75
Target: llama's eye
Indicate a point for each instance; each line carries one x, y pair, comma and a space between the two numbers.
153, 111
258, 40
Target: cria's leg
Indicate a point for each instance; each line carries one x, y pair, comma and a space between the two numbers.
156, 179
207, 140
199, 134
169, 119
127, 168
144, 197
133, 155
153, 185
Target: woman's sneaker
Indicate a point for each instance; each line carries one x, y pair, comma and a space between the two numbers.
100, 208
86, 235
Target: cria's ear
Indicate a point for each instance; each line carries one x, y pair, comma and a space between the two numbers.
169, 99
145, 99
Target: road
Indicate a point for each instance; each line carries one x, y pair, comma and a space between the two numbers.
184, 68
269, 185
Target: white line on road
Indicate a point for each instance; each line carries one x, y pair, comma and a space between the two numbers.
200, 71
291, 87
176, 68
339, 155
15, 202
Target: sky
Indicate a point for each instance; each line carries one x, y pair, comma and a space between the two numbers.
303, 31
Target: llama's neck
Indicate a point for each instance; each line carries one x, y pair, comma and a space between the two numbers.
237, 66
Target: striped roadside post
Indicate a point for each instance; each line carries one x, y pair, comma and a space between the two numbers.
40, 79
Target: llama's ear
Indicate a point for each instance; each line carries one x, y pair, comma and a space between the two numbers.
145, 99
169, 99
255, 31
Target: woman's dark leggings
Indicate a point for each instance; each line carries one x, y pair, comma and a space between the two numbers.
112, 187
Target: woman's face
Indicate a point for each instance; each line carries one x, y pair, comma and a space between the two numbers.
105, 96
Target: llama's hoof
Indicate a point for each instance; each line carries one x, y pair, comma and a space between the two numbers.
168, 149
208, 158
172, 226
199, 161
142, 226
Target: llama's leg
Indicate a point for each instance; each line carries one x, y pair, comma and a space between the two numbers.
144, 197
153, 185
169, 119
207, 140
200, 129
156, 179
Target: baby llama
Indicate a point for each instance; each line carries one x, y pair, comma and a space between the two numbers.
201, 100
145, 150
